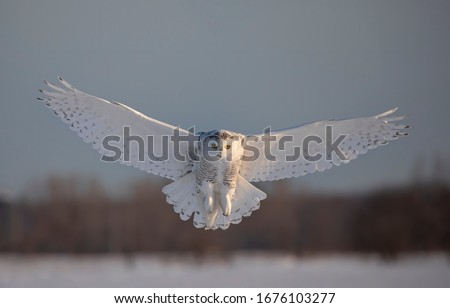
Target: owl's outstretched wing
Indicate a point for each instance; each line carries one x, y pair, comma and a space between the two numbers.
94, 119
317, 146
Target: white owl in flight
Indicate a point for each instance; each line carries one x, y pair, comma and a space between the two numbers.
212, 171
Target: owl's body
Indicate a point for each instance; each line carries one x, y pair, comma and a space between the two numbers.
213, 185
216, 172
219, 154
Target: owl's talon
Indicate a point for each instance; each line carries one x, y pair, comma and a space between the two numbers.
212, 217
225, 202
227, 211
209, 204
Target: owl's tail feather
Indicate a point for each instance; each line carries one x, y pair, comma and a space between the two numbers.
187, 201
182, 194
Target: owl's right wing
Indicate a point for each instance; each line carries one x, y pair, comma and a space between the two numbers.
317, 146
95, 119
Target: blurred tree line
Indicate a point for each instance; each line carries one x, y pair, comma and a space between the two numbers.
77, 216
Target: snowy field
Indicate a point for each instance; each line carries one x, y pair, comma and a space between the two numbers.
238, 270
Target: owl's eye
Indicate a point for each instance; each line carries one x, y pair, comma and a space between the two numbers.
228, 146
214, 145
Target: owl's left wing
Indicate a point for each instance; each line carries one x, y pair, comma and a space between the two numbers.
147, 144
317, 146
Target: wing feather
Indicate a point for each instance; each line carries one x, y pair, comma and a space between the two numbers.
93, 119
360, 135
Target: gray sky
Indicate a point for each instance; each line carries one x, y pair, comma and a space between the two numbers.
280, 63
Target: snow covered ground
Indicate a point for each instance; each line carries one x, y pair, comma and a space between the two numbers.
238, 270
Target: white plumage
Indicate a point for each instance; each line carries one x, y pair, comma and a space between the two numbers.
217, 192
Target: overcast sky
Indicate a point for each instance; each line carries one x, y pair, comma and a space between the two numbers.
238, 65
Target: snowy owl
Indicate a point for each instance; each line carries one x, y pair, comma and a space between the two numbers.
212, 171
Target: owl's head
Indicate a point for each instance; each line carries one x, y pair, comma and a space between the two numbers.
221, 144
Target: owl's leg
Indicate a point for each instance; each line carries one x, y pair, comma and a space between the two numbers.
207, 190
212, 217
226, 195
